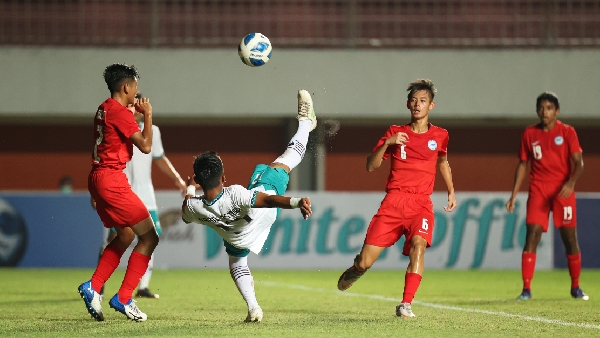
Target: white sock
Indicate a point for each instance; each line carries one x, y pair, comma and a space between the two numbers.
240, 273
297, 146
145, 281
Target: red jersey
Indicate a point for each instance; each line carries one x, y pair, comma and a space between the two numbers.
414, 164
549, 152
113, 126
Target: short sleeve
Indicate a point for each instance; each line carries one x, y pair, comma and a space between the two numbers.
443, 151
124, 122
242, 196
157, 146
381, 141
524, 153
188, 211
573, 141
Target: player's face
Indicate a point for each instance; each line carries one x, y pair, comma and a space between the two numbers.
132, 91
420, 104
547, 112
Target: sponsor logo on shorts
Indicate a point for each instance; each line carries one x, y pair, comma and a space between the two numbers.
558, 140
432, 144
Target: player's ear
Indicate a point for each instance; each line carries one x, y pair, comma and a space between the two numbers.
431, 105
223, 180
407, 104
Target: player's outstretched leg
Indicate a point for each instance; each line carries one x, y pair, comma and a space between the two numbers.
579, 294
307, 122
92, 299
351, 275
129, 309
525, 295
404, 310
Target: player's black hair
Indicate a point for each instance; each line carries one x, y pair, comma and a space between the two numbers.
117, 74
547, 96
421, 84
208, 169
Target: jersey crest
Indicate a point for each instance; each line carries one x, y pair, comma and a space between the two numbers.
558, 140
432, 144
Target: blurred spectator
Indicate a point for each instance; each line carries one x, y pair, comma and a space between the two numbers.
65, 184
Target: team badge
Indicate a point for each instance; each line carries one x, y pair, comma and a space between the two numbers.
432, 144
558, 140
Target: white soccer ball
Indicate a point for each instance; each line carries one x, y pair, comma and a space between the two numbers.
255, 49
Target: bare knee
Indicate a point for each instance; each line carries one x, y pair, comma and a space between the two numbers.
149, 239
532, 237
126, 237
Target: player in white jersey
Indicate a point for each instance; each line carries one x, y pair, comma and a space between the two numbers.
139, 175
236, 213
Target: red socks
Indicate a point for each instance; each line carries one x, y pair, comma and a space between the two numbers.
411, 284
136, 268
109, 261
574, 263
527, 268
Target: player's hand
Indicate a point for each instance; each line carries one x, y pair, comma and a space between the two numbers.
304, 206
566, 190
143, 106
510, 205
191, 181
451, 202
398, 138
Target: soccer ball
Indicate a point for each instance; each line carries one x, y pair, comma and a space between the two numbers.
255, 49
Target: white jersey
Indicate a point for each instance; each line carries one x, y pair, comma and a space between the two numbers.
139, 170
231, 215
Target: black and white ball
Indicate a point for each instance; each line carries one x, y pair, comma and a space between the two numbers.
255, 49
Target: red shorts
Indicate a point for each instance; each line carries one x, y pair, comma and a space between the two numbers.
543, 198
401, 214
116, 204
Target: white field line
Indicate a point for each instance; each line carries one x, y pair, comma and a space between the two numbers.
433, 305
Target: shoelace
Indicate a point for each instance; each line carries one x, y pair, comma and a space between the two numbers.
304, 108
135, 309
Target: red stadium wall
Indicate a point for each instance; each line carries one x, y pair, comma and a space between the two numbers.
482, 159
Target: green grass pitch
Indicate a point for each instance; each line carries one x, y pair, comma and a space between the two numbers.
206, 303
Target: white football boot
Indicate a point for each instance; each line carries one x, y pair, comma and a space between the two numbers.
404, 310
92, 299
306, 110
254, 315
129, 309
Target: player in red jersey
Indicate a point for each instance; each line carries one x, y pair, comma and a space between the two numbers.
115, 134
552, 149
416, 149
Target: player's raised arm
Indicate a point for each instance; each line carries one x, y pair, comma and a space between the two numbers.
374, 160
275, 201
143, 139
